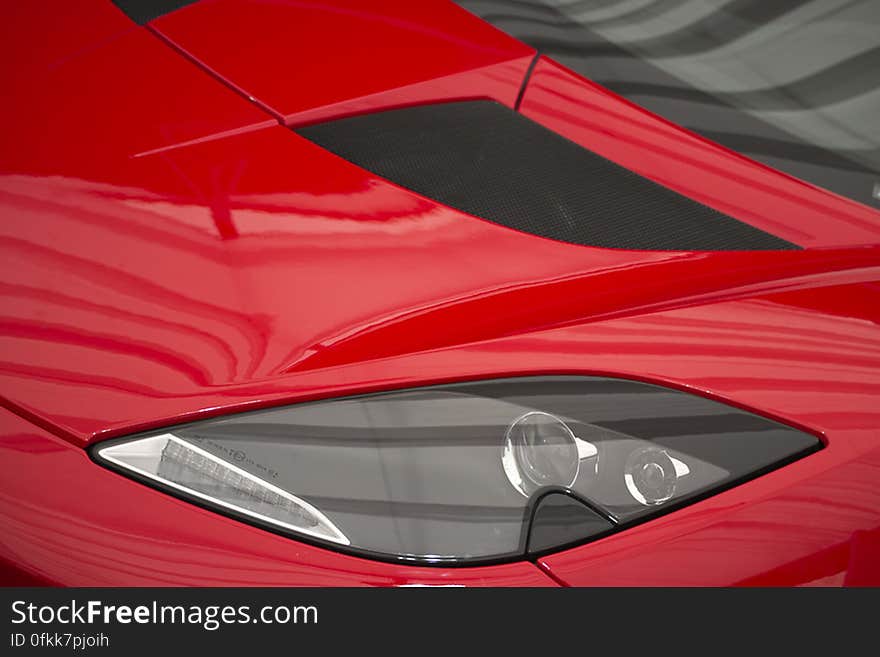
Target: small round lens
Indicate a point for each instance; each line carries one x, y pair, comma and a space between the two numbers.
650, 476
540, 450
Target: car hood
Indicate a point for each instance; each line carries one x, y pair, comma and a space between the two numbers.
172, 249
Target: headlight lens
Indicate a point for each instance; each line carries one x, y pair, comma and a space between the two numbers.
466, 472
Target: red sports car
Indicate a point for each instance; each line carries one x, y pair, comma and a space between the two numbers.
530, 293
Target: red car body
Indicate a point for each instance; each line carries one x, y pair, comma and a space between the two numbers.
173, 251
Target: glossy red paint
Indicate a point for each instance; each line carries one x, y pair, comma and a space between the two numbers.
75, 29
169, 252
84, 109
600, 120
311, 60
219, 280
790, 354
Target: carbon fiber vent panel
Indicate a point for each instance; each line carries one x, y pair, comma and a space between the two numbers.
484, 159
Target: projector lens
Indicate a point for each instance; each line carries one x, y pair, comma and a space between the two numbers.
650, 476
540, 450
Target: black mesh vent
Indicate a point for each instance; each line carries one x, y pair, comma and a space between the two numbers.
489, 161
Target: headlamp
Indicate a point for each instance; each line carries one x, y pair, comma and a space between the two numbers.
470, 472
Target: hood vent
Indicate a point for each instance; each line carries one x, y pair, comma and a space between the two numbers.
489, 161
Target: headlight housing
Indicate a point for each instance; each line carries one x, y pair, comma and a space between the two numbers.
471, 472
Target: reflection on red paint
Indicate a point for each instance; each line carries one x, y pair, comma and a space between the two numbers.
169, 252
